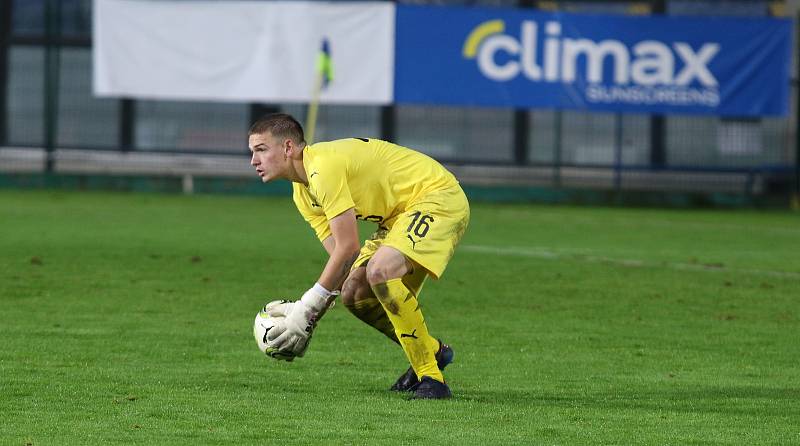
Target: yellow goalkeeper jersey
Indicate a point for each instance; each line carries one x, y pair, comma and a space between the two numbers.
377, 178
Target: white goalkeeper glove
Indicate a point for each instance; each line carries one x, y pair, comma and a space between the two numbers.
301, 318
278, 308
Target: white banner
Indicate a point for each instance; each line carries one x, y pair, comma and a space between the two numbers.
249, 51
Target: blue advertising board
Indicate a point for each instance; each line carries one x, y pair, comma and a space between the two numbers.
638, 64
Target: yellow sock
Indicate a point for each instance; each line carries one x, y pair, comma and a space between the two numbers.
372, 313
403, 310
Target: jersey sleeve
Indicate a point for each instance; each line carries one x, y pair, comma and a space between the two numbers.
312, 213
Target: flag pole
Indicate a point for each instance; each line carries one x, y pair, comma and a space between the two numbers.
311, 117
324, 75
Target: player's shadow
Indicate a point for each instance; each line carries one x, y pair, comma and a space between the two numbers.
727, 400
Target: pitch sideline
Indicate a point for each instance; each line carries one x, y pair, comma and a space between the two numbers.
547, 253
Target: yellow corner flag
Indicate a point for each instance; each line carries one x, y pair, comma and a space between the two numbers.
324, 77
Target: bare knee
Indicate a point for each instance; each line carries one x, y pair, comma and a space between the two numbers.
387, 264
356, 288
377, 274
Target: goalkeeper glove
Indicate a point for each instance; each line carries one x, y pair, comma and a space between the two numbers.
301, 318
277, 309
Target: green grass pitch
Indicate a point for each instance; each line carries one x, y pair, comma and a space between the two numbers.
126, 319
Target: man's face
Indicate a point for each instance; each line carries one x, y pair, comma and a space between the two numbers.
269, 156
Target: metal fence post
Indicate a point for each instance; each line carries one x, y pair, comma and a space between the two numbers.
388, 117
521, 115
127, 117
795, 202
257, 110
618, 131
52, 65
521, 130
557, 143
658, 125
5, 42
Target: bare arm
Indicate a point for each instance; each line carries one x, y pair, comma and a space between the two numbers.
343, 247
329, 243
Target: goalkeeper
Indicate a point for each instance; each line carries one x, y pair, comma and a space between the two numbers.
421, 213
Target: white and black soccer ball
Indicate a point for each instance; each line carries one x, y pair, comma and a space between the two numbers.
267, 326
261, 328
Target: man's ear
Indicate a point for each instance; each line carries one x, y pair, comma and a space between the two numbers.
292, 149
288, 147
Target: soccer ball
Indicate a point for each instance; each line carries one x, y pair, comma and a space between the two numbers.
270, 317
261, 328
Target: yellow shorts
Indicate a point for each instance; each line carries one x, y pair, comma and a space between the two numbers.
427, 233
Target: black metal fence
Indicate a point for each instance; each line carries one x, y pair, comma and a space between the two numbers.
46, 102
